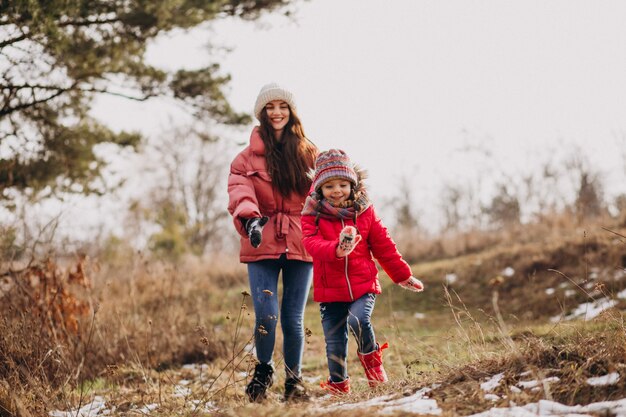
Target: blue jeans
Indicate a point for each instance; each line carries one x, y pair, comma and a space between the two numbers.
263, 276
336, 319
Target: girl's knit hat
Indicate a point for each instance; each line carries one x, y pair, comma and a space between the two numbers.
333, 164
271, 92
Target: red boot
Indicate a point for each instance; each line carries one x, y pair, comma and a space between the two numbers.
373, 364
336, 388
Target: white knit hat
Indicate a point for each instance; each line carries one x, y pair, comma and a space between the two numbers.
271, 92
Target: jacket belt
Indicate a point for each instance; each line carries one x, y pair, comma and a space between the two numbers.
282, 225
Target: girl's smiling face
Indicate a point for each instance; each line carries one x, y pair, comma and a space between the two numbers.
278, 115
336, 191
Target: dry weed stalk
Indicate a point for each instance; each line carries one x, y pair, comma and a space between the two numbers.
457, 314
237, 357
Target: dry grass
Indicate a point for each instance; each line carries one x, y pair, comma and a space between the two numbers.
136, 321
579, 267
570, 353
546, 229
123, 324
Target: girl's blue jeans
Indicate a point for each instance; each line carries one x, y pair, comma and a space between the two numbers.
336, 319
263, 276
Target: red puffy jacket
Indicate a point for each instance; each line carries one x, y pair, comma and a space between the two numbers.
347, 279
252, 194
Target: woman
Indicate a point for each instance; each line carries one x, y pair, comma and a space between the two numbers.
267, 187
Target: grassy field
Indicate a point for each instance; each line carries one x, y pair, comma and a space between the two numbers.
140, 337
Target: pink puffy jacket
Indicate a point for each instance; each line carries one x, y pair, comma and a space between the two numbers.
251, 194
347, 279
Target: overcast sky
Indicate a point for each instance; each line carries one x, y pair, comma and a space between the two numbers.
404, 85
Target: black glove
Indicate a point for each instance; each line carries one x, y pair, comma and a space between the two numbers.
254, 227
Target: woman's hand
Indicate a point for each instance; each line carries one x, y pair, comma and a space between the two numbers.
254, 227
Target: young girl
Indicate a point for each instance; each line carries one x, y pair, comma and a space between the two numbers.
342, 232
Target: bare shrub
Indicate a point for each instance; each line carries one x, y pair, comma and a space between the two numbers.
46, 322
407, 231
588, 202
62, 327
185, 200
504, 209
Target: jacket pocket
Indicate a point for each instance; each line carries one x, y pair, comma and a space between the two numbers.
372, 268
335, 273
323, 274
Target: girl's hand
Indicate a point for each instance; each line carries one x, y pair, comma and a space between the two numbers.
348, 239
412, 284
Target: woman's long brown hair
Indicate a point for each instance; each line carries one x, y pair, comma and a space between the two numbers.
290, 158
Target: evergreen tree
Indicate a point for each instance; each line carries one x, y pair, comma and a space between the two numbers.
57, 55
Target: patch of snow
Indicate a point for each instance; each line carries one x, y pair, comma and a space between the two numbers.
492, 397
451, 278
417, 403
147, 408
250, 348
608, 379
550, 408
570, 293
419, 316
591, 310
590, 285
181, 391
97, 407
593, 274
621, 294
619, 274
492, 382
550, 291
197, 367
184, 382
514, 389
535, 383
508, 272
564, 285
587, 311
312, 379
372, 402
208, 406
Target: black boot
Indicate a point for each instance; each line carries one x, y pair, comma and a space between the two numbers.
260, 383
295, 390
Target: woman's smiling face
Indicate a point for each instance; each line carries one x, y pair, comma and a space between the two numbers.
278, 114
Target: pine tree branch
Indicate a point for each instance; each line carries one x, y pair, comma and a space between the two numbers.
113, 93
59, 90
88, 22
13, 40
11, 109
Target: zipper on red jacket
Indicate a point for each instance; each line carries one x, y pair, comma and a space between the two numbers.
346, 269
